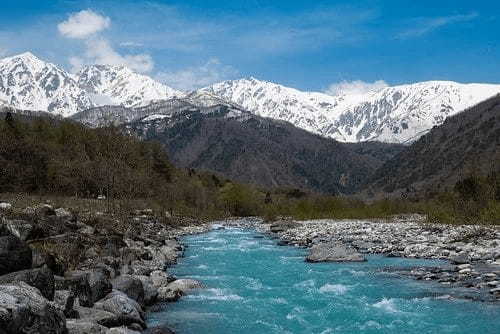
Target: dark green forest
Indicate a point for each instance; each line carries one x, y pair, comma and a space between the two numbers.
60, 158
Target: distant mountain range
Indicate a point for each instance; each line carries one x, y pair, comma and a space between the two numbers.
399, 114
465, 144
204, 132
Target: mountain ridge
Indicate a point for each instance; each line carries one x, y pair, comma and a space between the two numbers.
398, 114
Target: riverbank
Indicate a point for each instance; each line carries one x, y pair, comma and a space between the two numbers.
473, 251
68, 272
99, 273
252, 285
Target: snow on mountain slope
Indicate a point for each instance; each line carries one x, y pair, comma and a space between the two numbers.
398, 114
28, 83
118, 85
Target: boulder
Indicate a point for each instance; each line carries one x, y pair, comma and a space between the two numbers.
121, 330
131, 286
160, 278
174, 290
15, 254
42, 258
23, 309
158, 330
77, 326
62, 213
460, 259
105, 318
41, 278
89, 286
333, 252
19, 228
5, 206
123, 307
150, 292
40, 210
167, 295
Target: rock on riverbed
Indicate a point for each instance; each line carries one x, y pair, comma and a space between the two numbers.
333, 252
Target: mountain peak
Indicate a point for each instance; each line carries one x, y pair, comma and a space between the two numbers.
26, 57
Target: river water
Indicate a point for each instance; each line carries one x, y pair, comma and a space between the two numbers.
255, 286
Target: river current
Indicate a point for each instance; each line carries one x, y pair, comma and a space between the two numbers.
254, 286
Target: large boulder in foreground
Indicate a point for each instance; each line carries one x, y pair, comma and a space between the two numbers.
333, 252
173, 291
42, 279
23, 309
158, 330
77, 326
15, 254
89, 286
131, 286
125, 308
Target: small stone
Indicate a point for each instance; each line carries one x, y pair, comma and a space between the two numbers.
493, 283
5, 206
465, 271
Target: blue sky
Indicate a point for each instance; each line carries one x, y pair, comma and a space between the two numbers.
309, 45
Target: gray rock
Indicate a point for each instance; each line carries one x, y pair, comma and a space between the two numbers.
123, 307
77, 326
161, 278
121, 330
62, 213
131, 286
5, 206
174, 290
89, 286
333, 252
15, 254
42, 279
40, 210
459, 259
167, 295
150, 292
158, 330
19, 228
23, 309
105, 318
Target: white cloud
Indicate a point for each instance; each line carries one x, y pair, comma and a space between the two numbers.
99, 51
196, 77
426, 25
83, 24
355, 87
131, 44
86, 25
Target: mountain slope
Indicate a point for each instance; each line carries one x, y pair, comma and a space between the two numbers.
118, 85
249, 148
465, 143
394, 114
28, 83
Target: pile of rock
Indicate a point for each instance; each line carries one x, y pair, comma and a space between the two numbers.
475, 250
61, 275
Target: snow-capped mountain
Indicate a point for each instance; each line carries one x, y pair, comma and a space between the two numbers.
398, 114
118, 85
28, 83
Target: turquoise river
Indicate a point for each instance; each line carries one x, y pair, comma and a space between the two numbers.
254, 286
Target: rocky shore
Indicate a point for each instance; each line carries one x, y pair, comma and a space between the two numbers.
472, 251
60, 273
